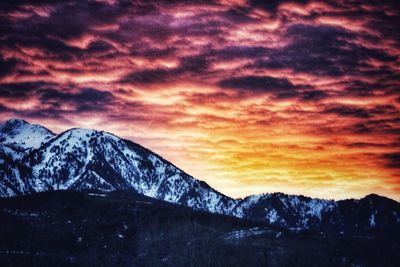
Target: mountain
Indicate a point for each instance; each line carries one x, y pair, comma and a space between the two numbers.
33, 159
372, 212
82, 159
121, 228
17, 139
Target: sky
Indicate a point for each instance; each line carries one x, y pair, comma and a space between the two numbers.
251, 96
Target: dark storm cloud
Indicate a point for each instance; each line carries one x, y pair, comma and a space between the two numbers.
383, 126
53, 47
322, 50
53, 98
349, 111
392, 160
387, 85
63, 21
258, 83
23, 90
87, 99
361, 88
273, 4
7, 66
80, 15
146, 28
4, 109
149, 76
379, 110
188, 65
313, 95
153, 53
99, 46
193, 64
239, 52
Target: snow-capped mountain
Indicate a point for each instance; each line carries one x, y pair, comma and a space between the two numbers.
81, 159
300, 212
286, 210
33, 159
18, 137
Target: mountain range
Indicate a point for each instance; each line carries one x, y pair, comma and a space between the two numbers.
34, 159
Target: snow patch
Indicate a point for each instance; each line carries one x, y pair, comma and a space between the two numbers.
372, 222
97, 195
271, 216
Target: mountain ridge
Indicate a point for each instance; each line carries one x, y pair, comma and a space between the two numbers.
86, 159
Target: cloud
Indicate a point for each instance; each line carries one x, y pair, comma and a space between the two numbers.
149, 76
323, 50
319, 79
187, 65
53, 100
86, 99
373, 145
22, 90
313, 95
392, 160
349, 111
7, 66
378, 126
258, 83
273, 4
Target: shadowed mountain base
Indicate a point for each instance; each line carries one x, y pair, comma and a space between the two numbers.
124, 229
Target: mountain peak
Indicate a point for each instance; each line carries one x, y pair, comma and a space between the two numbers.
21, 135
13, 123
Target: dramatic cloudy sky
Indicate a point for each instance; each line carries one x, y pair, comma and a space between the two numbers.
251, 96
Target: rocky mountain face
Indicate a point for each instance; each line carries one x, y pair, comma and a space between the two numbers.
33, 159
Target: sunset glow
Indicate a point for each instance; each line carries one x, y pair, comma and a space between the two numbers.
301, 97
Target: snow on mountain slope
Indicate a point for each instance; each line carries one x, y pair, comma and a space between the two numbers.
22, 135
12, 177
17, 139
32, 159
87, 159
285, 210
300, 212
